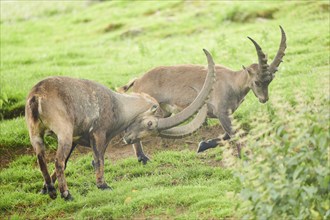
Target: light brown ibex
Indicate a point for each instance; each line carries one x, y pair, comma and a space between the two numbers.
86, 113
175, 87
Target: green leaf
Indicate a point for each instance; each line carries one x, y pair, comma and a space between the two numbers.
297, 172
311, 190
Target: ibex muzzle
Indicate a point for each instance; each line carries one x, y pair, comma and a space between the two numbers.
175, 87
89, 114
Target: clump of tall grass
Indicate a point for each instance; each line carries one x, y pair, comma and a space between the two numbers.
286, 174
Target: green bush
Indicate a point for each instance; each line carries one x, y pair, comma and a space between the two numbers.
287, 175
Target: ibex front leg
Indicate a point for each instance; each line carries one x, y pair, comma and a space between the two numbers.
99, 145
212, 143
139, 153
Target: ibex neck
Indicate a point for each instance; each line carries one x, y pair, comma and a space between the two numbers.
130, 107
242, 82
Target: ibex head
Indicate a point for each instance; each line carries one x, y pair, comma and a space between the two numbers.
150, 122
146, 123
262, 74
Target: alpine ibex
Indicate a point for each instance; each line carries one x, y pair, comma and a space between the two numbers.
175, 87
86, 113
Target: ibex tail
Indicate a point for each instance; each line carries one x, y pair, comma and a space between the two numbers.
126, 87
33, 105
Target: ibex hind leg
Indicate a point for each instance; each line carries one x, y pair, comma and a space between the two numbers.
63, 152
53, 176
39, 147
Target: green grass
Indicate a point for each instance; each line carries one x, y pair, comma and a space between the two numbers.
112, 42
176, 184
87, 41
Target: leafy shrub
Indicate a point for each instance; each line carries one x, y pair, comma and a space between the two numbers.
287, 175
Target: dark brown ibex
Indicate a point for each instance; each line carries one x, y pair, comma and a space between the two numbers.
86, 113
175, 87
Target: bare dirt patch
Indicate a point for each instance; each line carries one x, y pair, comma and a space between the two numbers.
118, 150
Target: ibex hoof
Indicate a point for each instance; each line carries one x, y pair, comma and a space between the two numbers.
50, 190
43, 191
66, 196
204, 145
52, 194
144, 159
104, 186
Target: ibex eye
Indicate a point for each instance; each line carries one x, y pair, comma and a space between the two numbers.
149, 123
257, 83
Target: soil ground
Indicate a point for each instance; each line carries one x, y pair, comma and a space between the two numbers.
118, 150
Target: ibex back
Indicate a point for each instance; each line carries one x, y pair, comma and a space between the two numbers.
89, 114
175, 87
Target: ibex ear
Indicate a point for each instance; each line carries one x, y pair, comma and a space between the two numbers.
153, 108
247, 70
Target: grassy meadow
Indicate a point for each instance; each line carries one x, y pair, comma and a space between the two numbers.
284, 170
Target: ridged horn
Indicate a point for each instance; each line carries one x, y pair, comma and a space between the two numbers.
184, 130
280, 53
166, 123
262, 58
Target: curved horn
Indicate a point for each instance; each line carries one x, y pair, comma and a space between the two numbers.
165, 123
280, 53
262, 57
182, 131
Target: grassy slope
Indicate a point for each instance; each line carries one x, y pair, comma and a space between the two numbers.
94, 42
90, 42
174, 184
